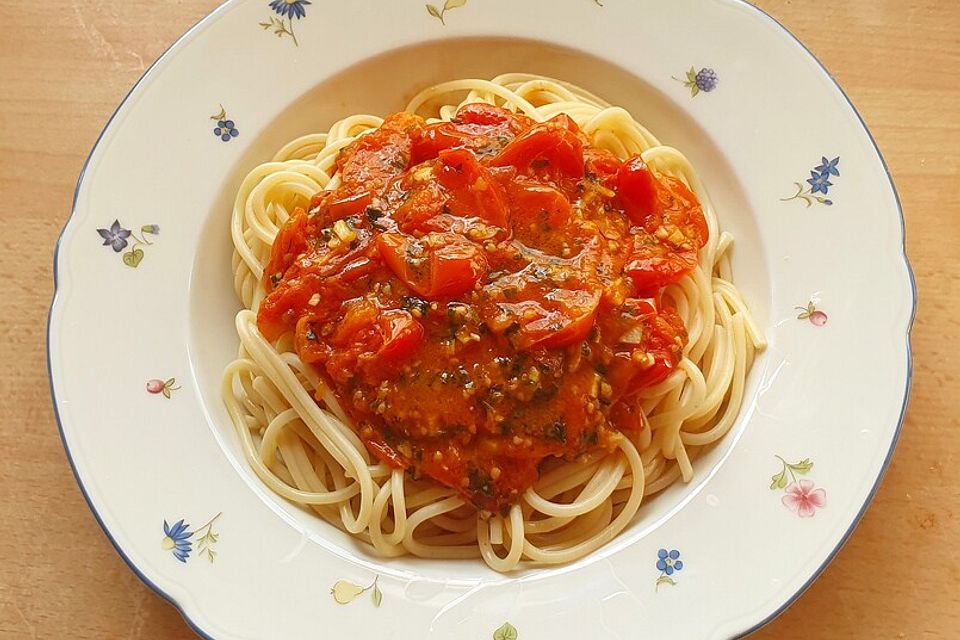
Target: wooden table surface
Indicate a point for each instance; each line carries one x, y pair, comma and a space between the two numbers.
64, 66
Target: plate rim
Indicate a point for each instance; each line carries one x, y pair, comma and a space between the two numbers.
224, 6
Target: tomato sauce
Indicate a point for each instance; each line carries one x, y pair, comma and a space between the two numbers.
485, 294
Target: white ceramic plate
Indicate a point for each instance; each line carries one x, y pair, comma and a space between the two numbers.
141, 328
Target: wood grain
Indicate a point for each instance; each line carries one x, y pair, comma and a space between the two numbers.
64, 66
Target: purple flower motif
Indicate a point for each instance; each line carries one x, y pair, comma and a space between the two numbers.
707, 79
828, 167
116, 236
819, 182
290, 8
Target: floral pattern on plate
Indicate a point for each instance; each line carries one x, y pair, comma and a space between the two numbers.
705, 80
177, 539
118, 238
506, 631
439, 13
287, 10
800, 495
162, 387
669, 563
819, 182
810, 312
226, 128
345, 592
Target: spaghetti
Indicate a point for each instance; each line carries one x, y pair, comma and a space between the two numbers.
378, 468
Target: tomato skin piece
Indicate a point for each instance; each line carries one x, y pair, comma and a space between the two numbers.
484, 128
653, 266
290, 242
681, 208
385, 452
488, 115
546, 317
576, 325
393, 250
402, 334
603, 165
627, 417
533, 199
659, 260
472, 188
456, 268
446, 267
637, 189
372, 160
334, 206
553, 142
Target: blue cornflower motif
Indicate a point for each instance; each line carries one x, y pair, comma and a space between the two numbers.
291, 8
116, 236
177, 539
226, 130
828, 167
669, 561
819, 182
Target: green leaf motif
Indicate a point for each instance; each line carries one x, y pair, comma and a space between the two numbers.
132, 258
803, 467
779, 481
666, 580
453, 4
432, 10
506, 632
377, 595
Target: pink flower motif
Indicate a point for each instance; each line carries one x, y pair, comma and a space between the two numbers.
803, 499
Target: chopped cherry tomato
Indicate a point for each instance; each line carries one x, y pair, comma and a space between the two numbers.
652, 265
541, 204
473, 190
551, 144
488, 115
335, 206
290, 242
540, 315
602, 165
637, 189
668, 247
627, 416
542, 215
402, 334
439, 265
372, 160
482, 128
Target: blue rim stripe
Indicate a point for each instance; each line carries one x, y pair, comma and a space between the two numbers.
843, 540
